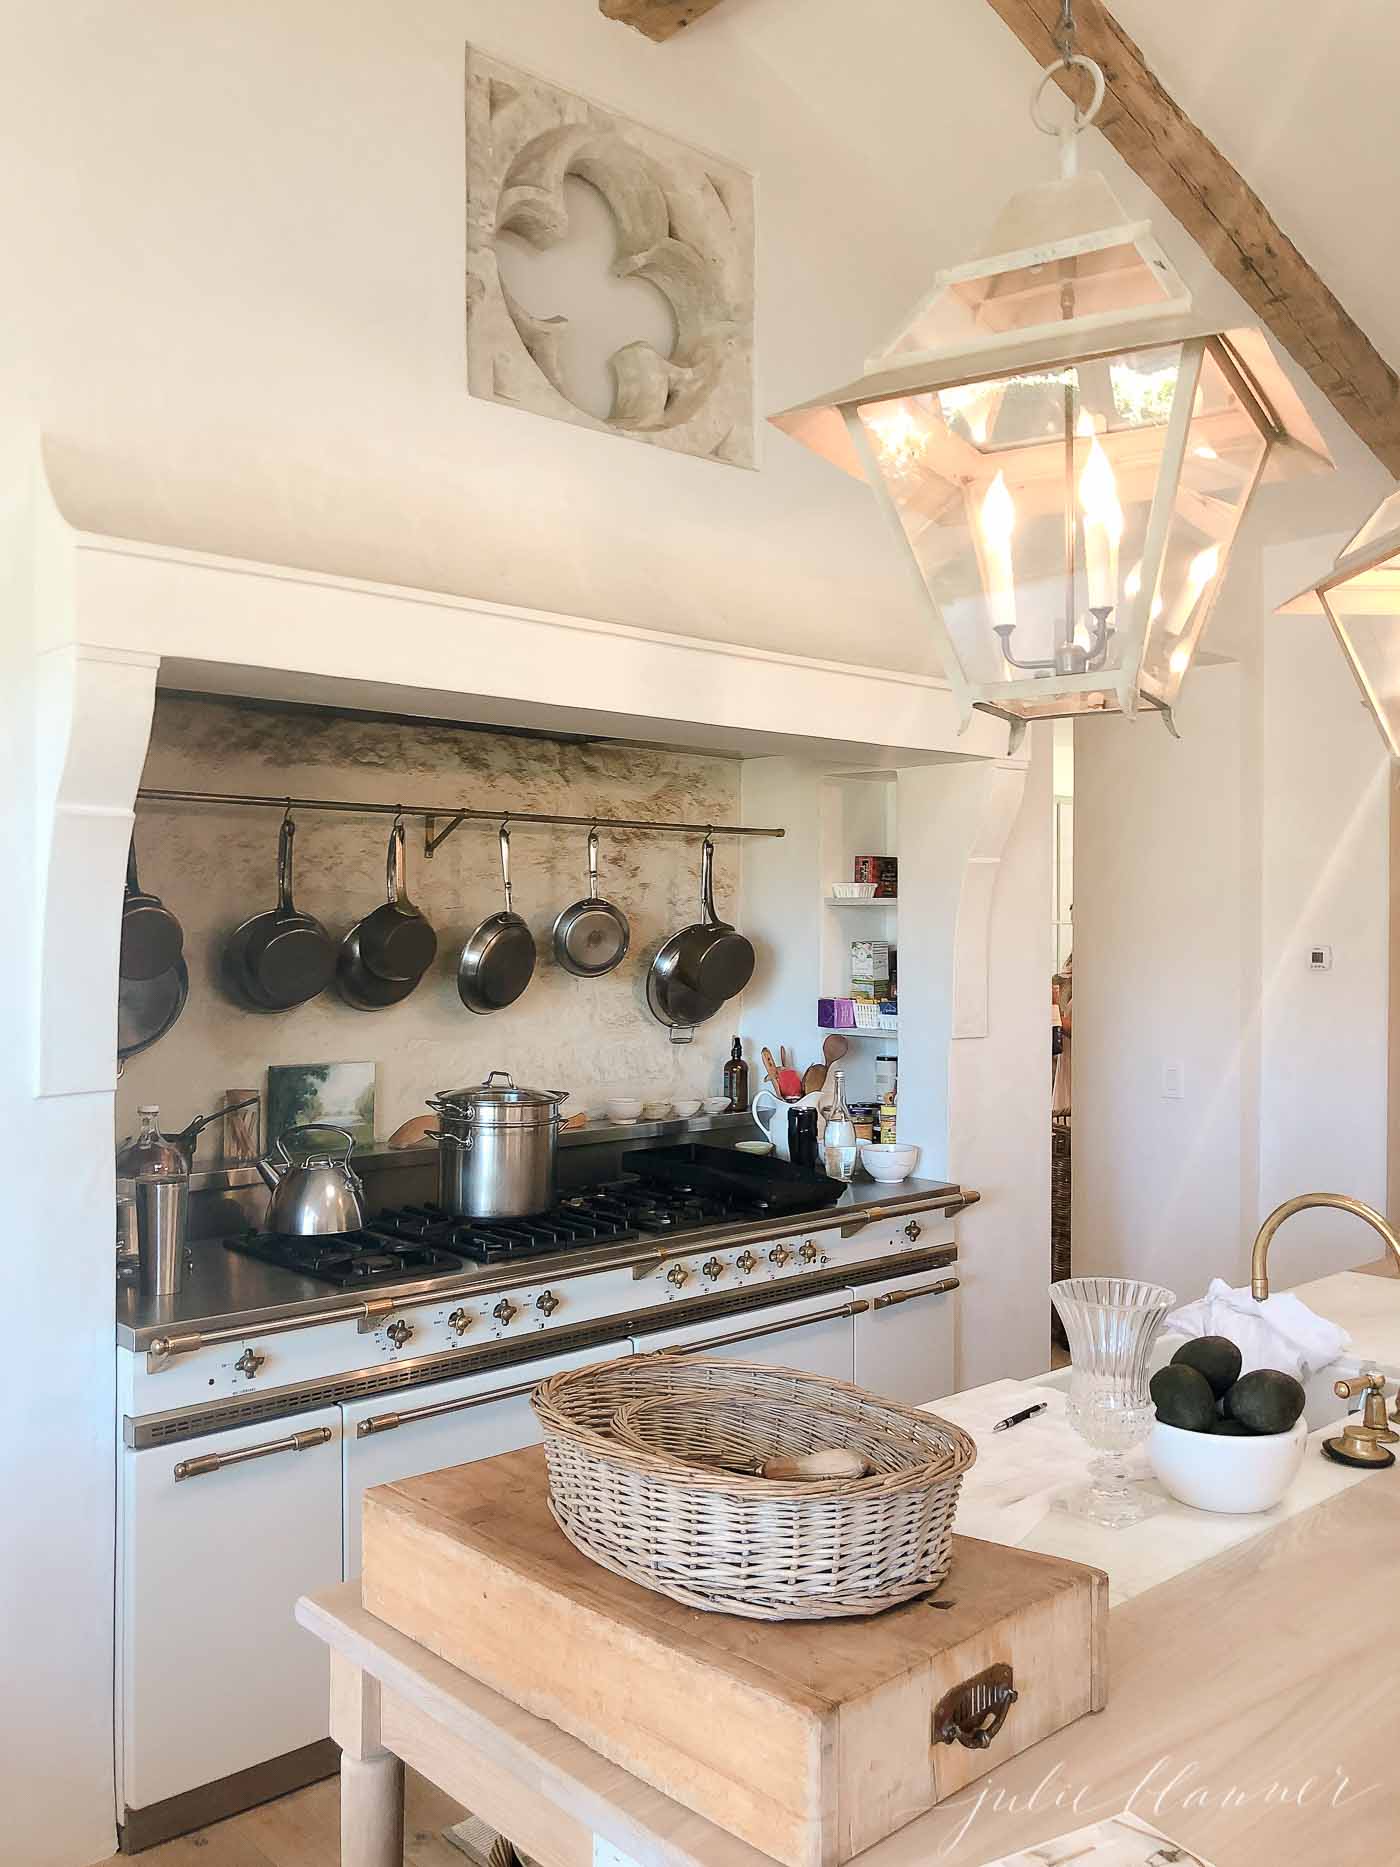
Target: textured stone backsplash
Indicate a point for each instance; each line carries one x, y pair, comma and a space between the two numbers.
215, 866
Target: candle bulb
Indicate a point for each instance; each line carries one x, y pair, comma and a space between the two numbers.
997, 521
1103, 521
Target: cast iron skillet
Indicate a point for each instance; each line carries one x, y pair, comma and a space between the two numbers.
280, 958
592, 936
152, 938
498, 960
148, 1008
360, 981
708, 959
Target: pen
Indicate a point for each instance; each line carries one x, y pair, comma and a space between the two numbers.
1016, 1418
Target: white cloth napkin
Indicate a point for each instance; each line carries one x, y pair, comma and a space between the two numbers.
1019, 1473
1281, 1332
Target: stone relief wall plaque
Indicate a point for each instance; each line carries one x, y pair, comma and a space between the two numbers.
684, 222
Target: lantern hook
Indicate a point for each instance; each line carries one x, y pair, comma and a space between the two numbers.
1069, 60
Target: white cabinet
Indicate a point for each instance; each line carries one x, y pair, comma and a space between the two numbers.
448, 1423
905, 1342
812, 1333
218, 1537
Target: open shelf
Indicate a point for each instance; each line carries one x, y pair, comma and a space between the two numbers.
875, 901
885, 1030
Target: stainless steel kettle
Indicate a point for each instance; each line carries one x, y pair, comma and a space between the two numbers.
318, 1196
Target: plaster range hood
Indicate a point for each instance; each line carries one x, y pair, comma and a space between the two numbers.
109, 618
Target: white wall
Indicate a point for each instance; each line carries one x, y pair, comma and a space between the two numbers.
1203, 871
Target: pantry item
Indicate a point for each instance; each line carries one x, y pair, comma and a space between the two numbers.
697, 969
152, 940
384, 955
497, 1148
498, 960
1111, 1324
719, 1105
623, 1108
316, 1193
883, 871
736, 1080
823, 1747
282, 958
888, 1162
839, 1133
836, 1014
886, 1076
591, 937
1234, 1472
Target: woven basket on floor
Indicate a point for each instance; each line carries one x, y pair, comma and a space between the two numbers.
679, 1516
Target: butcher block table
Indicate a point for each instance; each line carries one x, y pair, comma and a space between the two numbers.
1251, 1716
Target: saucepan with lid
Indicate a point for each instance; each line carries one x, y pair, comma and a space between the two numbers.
497, 1147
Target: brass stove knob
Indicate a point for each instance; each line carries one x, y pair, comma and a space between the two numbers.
913, 1231
460, 1320
746, 1261
249, 1362
677, 1275
809, 1254
504, 1310
712, 1268
399, 1332
779, 1255
547, 1301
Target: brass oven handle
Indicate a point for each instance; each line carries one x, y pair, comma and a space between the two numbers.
939, 1289
216, 1461
386, 1422
767, 1328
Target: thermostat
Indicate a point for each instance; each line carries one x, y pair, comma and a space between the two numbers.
1319, 959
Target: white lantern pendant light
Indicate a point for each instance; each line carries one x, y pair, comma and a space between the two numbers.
1360, 596
1064, 453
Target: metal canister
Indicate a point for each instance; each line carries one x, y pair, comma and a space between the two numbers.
158, 1170
497, 1148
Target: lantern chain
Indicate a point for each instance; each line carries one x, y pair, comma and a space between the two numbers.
1064, 35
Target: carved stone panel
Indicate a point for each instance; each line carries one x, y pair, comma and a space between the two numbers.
684, 223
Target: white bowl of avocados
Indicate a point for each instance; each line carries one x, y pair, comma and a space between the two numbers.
1225, 1441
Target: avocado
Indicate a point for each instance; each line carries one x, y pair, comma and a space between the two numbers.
1233, 1429
1183, 1398
1266, 1401
1214, 1356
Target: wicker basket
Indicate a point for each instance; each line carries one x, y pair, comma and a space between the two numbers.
661, 1494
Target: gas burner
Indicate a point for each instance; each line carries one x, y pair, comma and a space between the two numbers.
354, 1258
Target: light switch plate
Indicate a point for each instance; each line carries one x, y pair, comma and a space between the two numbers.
1319, 958
1173, 1081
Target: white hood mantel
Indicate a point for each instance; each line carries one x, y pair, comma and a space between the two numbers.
108, 619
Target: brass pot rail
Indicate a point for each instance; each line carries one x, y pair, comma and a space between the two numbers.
456, 814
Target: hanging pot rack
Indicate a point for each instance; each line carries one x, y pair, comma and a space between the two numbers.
455, 814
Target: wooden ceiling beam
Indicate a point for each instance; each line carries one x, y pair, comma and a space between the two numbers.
658, 19
1222, 213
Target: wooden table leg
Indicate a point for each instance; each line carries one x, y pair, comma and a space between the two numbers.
371, 1778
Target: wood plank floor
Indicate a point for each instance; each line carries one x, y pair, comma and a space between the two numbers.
303, 1830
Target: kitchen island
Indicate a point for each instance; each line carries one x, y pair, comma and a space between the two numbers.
1250, 1713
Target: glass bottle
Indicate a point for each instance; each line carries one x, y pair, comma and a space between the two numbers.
839, 1134
736, 1078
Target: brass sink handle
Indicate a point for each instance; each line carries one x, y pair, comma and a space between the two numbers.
1364, 1442
1340, 1202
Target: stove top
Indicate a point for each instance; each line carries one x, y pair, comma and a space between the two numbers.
425, 1241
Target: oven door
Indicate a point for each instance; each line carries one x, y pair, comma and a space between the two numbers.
811, 1333
906, 1338
421, 1429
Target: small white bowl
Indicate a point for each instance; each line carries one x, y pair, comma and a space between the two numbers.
623, 1108
656, 1111
715, 1105
685, 1109
753, 1147
888, 1161
853, 891
1225, 1471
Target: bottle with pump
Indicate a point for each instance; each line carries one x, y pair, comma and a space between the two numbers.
839, 1134
736, 1078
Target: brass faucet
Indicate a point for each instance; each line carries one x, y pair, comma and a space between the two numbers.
1259, 1257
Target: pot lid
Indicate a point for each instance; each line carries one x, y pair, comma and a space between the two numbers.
499, 1090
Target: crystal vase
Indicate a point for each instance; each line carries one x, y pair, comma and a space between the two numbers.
1111, 1323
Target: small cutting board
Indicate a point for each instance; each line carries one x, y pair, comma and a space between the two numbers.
810, 1740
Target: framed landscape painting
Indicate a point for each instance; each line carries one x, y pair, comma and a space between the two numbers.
341, 1095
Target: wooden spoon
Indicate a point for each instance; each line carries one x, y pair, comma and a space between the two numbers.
834, 1047
813, 1079
770, 1068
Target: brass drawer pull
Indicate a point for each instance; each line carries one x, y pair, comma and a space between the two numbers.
941, 1288
973, 1712
216, 1461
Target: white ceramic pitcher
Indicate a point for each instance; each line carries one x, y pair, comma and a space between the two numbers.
770, 1113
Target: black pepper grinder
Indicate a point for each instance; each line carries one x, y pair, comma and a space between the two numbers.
736, 1078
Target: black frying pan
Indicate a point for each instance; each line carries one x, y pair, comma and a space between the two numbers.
709, 958
152, 938
396, 942
280, 958
359, 981
148, 1008
498, 960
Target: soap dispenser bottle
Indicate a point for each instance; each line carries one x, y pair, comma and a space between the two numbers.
736, 1078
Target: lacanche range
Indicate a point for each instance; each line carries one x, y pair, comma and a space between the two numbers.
258, 1405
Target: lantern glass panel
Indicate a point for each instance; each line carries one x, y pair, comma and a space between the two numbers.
1365, 613
1225, 452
